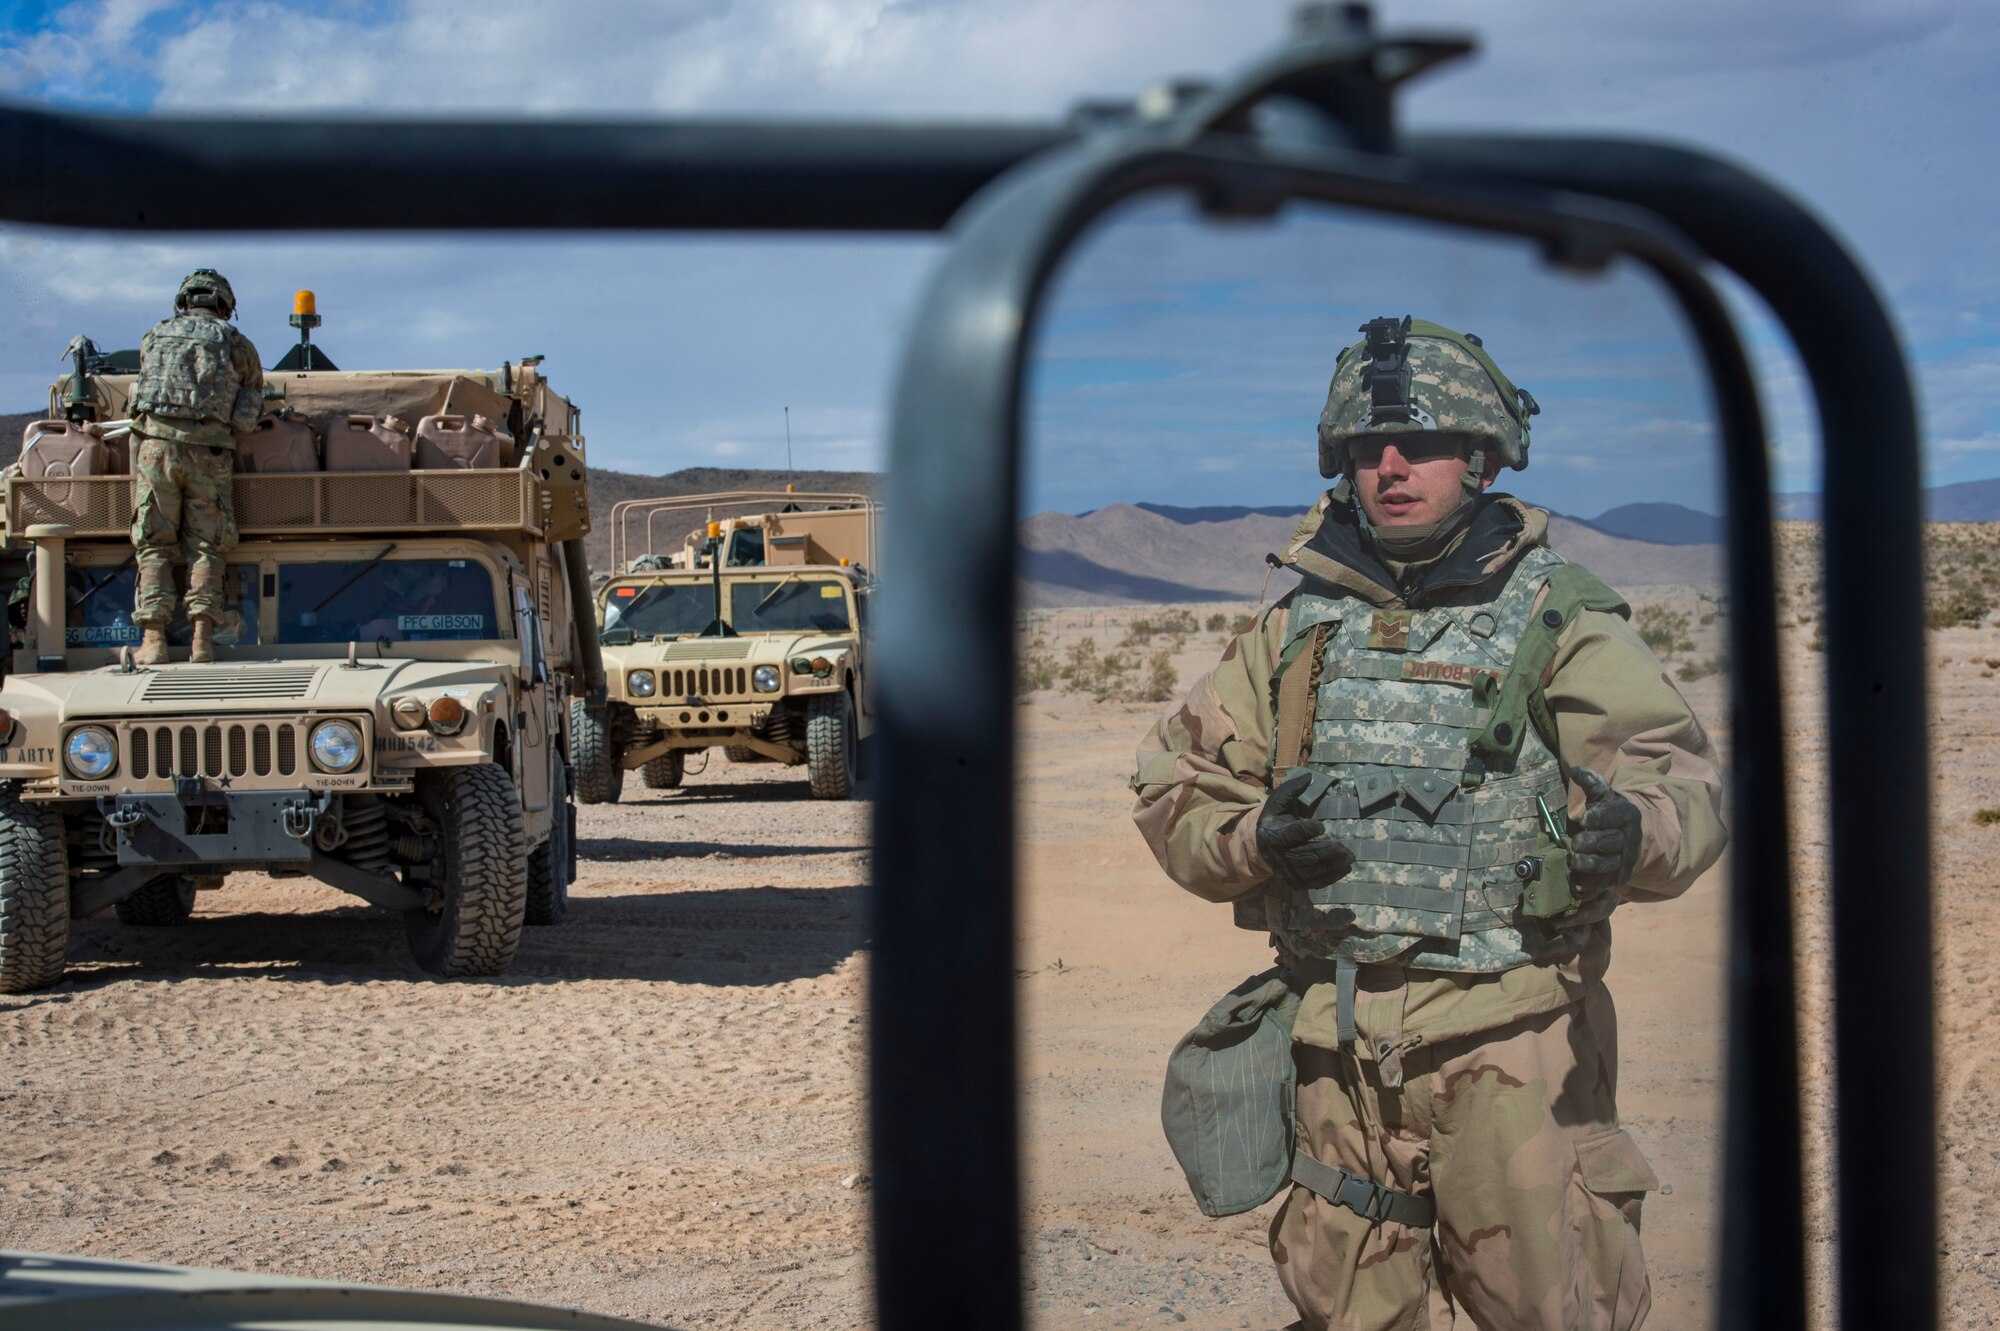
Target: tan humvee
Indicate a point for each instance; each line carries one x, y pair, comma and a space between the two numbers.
388, 706
750, 636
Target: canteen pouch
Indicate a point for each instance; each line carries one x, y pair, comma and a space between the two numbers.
1228, 1103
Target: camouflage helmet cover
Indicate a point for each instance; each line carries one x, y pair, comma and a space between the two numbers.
206, 288
1454, 388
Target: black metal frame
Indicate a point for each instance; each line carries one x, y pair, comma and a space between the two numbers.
942, 1017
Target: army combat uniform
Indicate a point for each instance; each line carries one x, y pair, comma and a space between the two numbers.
1455, 1047
199, 384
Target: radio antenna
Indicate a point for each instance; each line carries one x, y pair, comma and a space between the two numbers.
790, 474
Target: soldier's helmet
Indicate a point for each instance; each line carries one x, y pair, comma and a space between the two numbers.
204, 288
1409, 374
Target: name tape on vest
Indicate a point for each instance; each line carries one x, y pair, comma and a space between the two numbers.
1448, 672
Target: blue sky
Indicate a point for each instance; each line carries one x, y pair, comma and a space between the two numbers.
1178, 364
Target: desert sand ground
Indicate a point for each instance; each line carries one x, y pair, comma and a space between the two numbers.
658, 1113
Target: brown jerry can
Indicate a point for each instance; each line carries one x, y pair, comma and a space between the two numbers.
467, 442
277, 443
54, 450
370, 443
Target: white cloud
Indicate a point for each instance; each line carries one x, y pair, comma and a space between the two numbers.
1985, 443
1874, 113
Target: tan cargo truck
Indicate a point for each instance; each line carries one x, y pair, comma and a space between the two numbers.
747, 634
387, 711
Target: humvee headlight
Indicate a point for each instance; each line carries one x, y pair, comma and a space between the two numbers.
90, 752
764, 679
801, 666
639, 683
336, 746
446, 716
408, 713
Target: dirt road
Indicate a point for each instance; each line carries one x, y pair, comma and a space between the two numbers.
659, 1112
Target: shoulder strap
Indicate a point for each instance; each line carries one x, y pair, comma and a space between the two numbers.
1517, 699
1293, 735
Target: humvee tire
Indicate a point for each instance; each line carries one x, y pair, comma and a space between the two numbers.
483, 870
162, 902
740, 753
549, 872
34, 896
599, 778
665, 771
830, 743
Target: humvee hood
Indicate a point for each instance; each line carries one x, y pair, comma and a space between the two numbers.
760, 648
239, 688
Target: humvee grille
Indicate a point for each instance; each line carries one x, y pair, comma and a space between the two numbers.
708, 682
216, 749
211, 685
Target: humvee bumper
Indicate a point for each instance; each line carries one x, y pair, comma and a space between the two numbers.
199, 825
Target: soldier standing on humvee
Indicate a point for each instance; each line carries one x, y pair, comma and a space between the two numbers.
1431, 772
199, 383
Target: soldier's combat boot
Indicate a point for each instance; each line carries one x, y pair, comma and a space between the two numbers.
152, 647
202, 650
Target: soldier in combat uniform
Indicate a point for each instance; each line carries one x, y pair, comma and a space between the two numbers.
199, 384
1432, 772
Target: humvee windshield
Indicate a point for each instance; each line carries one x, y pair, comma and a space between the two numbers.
402, 600
660, 609
789, 607
100, 608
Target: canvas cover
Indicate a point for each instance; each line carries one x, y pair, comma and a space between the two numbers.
322, 397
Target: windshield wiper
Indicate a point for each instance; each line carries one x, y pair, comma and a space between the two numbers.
783, 583
359, 573
106, 580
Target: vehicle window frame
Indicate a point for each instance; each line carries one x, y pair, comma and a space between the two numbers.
769, 575
504, 627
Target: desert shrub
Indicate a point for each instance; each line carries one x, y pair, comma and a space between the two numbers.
1663, 630
1162, 681
1038, 669
1177, 621
1217, 622
1080, 659
1816, 645
1987, 817
1702, 669
1957, 603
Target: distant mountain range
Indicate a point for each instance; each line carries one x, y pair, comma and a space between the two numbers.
1128, 553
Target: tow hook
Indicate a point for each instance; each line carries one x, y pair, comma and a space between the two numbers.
301, 816
122, 820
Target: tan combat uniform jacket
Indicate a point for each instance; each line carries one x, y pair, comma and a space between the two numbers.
1205, 768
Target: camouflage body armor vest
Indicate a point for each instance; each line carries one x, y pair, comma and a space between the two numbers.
186, 372
1460, 861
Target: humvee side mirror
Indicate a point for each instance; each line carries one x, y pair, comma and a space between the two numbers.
942, 1024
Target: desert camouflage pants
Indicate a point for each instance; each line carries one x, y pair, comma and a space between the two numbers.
1515, 1136
184, 503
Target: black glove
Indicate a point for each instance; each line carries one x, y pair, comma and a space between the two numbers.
1604, 844
1297, 848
